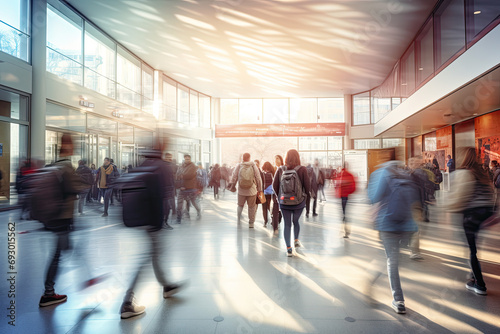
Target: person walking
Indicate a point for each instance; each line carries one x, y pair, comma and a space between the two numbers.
313, 194
268, 174
86, 176
495, 170
395, 193
472, 196
215, 180
291, 183
345, 186
169, 200
247, 175
188, 190
106, 175
276, 213
129, 307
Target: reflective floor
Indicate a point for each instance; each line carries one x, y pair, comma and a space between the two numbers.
240, 280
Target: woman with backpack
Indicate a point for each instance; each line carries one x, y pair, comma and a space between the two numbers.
472, 196
292, 183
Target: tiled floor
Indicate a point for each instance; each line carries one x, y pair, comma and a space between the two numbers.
240, 280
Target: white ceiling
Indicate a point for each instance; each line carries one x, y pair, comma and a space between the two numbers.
264, 48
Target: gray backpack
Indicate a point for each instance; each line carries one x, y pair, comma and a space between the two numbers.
291, 192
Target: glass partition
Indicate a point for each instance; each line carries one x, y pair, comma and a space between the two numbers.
303, 110
250, 111
449, 23
330, 110
228, 111
275, 111
361, 109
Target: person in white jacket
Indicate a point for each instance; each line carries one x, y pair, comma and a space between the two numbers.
472, 196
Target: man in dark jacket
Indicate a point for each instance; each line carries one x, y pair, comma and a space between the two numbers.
85, 174
188, 190
106, 175
313, 193
129, 308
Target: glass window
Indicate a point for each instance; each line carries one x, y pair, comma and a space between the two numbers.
361, 109
425, 53
228, 111
430, 143
193, 109
309, 157
393, 142
304, 110
334, 159
396, 101
147, 88
335, 143
64, 44
312, 143
408, 72
65, 118
183, 104
204, 101
100, 64
380, 108
128, 70
169, 99
101, 125
275, 111
480, 14
363, 144
250, 111
449, 27
143, 138
125, 133
14, 37
331, 110
13, 105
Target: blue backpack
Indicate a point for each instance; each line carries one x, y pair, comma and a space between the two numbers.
401, 195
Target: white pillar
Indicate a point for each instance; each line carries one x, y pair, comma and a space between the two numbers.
348, 121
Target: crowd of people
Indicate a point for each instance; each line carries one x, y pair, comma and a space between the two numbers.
284, 188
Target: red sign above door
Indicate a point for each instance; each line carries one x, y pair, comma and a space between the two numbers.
280, 130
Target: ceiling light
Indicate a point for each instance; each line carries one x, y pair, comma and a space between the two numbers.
477, 12
474, 114
420, 68
404, 84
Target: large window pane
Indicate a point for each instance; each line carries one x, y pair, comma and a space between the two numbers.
304, 110
275, 111
363, 144
307, 158
335, 143
480, 14
204, 101
169, 99
147, 81
408, 72
64, 44
393, 142
193, 109
128, 96
13, 105
101, 125
331, 110
183, 104
128, 71
65, 118
425, 53
100, 52
228, 111
312, 143
14, 42
361, 109
449, 25
250, 111
381, 106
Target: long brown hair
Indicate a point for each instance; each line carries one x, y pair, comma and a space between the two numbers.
471, 162
292, 159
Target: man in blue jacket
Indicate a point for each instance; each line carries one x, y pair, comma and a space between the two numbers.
394, 193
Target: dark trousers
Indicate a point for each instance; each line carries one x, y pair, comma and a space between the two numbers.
106, 193
266, 208
62, 243
308, 203
216, 191
291, 216
276, 215
472, 222
168, 204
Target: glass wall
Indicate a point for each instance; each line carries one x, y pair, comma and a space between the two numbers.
64, 44
128, 79
183, 104
278, 111
169, 99
441, 39
65, 118
100, 62
193, 109
363, 144
205, 120
14, 28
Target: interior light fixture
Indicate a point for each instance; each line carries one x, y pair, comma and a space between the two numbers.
420, 68
477, 12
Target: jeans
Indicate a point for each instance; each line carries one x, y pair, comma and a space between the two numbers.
168, 204
266, 208
189, 195
106, 193
472, 222
252, 206
321, 192
62, 243
82, 197
290, 216
154, 256
392, 242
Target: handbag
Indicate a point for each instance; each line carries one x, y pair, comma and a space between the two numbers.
261, 198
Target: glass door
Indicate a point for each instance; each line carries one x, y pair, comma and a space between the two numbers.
103, 149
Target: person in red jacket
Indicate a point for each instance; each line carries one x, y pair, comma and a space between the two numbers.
345, 185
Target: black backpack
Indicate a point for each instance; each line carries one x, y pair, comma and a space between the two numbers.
142, 198
45, 189
291, 192
401, 195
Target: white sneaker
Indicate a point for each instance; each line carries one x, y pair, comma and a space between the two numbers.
276, 233
131, 309
297, 244
289, 252
416, 256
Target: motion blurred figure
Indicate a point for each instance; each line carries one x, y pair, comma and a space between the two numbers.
472, 195
345, 185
